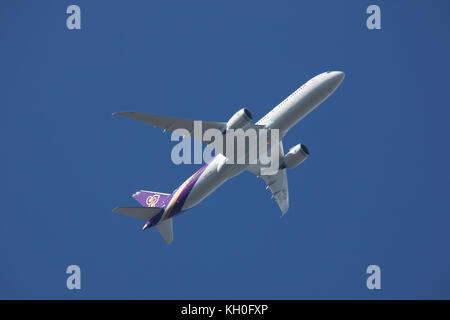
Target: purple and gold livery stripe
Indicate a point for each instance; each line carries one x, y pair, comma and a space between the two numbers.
179, 196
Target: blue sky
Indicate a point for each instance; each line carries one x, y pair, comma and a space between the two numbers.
374, 190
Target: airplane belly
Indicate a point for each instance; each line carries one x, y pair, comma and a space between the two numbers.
300, 103
212, 178
299, 108
206, 184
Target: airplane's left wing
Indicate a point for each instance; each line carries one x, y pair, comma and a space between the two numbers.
170, 123
277, 183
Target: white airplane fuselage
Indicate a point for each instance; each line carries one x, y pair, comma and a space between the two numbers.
283, 117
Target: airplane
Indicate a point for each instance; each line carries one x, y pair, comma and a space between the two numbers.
158, 209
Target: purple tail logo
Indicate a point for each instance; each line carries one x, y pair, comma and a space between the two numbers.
151, 199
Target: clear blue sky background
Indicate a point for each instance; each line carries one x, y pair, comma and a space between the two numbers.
375, 189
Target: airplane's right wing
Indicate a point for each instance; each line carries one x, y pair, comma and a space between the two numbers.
170, 123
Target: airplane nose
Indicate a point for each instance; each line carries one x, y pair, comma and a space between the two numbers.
335, 78
338, 76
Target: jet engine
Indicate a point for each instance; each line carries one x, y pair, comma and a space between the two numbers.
240, 119
295, 156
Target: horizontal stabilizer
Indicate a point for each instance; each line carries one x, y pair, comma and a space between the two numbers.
165, 228
144, 213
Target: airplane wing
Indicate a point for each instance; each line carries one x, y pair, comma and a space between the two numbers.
277, 184
170, 123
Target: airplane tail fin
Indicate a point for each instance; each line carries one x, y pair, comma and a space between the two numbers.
151, 199
154, 201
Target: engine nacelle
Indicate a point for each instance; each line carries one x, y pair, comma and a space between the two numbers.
240, 119
295, 156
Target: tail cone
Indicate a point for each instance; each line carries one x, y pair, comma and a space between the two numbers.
146, 226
